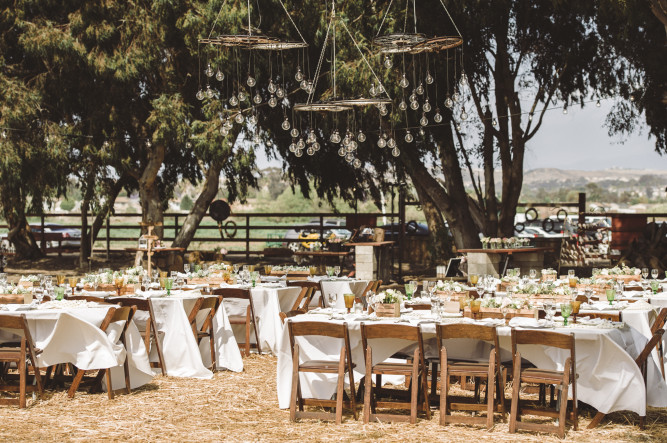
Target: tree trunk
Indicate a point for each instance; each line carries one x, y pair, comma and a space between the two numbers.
21, 237
187, 232
149, 192
84, 251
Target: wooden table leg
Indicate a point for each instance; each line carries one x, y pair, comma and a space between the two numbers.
596, 420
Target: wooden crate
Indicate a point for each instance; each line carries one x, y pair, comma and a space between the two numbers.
496, 313
388, 310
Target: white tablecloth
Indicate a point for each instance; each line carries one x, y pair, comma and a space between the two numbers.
341, 287
74, 336
609, 380
268, 300
182, 356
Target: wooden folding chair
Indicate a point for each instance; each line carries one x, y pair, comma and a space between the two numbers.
19, 354
150, 331
206, 329
90, 298
309, 284
416, 370
492, 371
303, 299
289, 314
658, 324
114, 315
341, 367
249, 320
562, 379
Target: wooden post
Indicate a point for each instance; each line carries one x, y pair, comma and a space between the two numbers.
108, 236
582, 210
43, 236
247, 237
321, 228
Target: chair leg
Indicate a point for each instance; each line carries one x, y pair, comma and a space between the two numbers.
516, 385
340, 387
353, 394
368, 386
414, 391
247, 332
444, 387
490, 390
434, 378
75, 383
110, 392
211, 340
22, 378
295, 383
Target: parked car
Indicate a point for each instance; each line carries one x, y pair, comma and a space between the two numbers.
71, 236
312, 232
392, 230
534, 232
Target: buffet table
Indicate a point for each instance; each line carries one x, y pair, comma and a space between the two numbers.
495, 261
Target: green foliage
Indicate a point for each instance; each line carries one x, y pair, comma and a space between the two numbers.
67, 205
186, 203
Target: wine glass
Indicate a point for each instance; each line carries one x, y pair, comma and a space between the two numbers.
611, 294
336, 271
332, 297
504, 310
168, 284
565, 311
349, 301
119, 282
475, 306
480, 288
548, 310
533, 274
473, 279
186, 268
645, 273
654, 273
73, 281
235, 267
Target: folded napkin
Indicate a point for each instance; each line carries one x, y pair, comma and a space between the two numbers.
590, 321
17, 307
151, 293
100, 294
418, 301
525, 322
271, 278
639, 305
602, 306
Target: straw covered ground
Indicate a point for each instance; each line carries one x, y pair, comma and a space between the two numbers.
244, 407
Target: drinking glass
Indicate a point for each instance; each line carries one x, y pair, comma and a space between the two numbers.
73, 281
60, 279
588, 293
146, 282
336, 271
332, 298
186, 268
59, 292
570, 273
119, 282
254, 276
168, 284
611, 294
654, 273
415, 285
533, 274
645, 273
475, 305
473, 279
572, 281
565, 311
268, 269
655, 285
480, 288
576, 305
236, 268
504, 310
548, 310
349, 301
463, 302
408, 290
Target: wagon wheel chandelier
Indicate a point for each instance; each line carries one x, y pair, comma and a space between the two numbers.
413, 49
331, 103
238, 98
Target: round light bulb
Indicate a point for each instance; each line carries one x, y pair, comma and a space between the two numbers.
349, 157
382, 142
494, 122
251, 81
299, 75
391, 143
464, 115
280, 93
427, 106
238, 118
414, 105
233, 101
448, 102
310, 150
437, 117
219, 76
300, 144
292, 147
423, 121
316, 146
597, 103
408, 137
294, 132
372, 91
361, 137
209, 92
383, 110
257, 99
402, 105
395, 152
298, 152
356, 163
273, 101
420, 89
252, 119
200, 95
457, 97
286, 125
429, 78
404, 83
387, 62
242, 95
272, 87
208, 71
342, 152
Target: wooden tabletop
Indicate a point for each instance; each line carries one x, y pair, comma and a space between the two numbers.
509, 251
377, 243
323, 253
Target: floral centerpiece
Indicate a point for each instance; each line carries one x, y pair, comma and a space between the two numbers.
388, 303
549, 274
450, 288
28, 281
622, 273
505, 242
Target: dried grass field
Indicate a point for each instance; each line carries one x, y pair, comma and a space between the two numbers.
243, 406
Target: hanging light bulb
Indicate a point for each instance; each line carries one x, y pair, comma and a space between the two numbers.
349, 157
372, 91
422, 133
311, 137
272, 87
420, 89
383, 110
382, 142
309, 87
402, 105
252, 119
380, 89
233, 101
257, 99
457, 97
361, 137
408, 137
251, 81
414, 105
448, 102
464, 115
391, 143
310, 151
219, 76
530, 117
304, 84
458, 127
429, 78
464, 79
208, 71
395, 152
209, 91
597, 103
404, 83
495, 122
280, 93
299, 75
187, 145
294, 133
413, 96
273, 101
632, 97
300, 144
286, 125
342, 152
242, 95
238, 118
316, 146
427, 106
565, 109
335, 137
224, 131
387, 62
200, 95
298, 152
437, 117
424, 120
356, 163
292, 147
354, 145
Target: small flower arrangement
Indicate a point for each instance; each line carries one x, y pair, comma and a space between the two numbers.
448, 286
30, 278
390, 296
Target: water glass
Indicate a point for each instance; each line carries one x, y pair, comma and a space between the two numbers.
611, 294
565, 311
186, 268
654, 273
645, 273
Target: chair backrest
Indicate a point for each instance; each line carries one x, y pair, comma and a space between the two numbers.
641, 359
399, 332
293, 313
545, 338
659, 322
89, 298
303, 299
17, 324
142, 304
125, 314
321, 329
243, 294
304, 284
475, 332
211, 303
